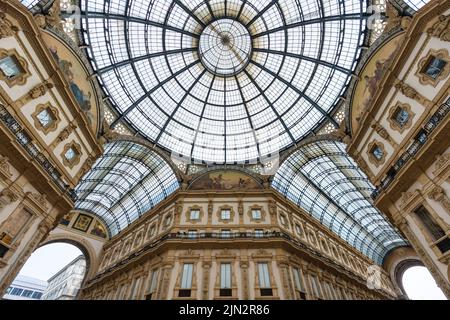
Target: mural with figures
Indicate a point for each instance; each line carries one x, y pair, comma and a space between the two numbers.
225, 180
369, 78
76, 76
84, 223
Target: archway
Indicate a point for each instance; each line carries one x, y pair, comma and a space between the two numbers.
55, 271
418, 284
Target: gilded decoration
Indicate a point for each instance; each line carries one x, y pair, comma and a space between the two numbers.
52, 115
434, 67
6, 28
13, 68
393, 117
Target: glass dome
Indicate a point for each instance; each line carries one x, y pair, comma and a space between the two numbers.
224, 81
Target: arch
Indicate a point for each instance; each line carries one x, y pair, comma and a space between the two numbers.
126, 182
92, 259
323, 179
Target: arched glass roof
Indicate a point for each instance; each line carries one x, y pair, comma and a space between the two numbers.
224, 81
127, 181
323, 180
416, 4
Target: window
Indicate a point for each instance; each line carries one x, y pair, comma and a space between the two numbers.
135, 288
430, 225
299, 284
153, 283
264, 279
195, 214
27, 293
225, 280
46, 118
377, 152
37, 295
401, 116
256, 214
186, 280
192, 234
9, 290
434, 67
259, 233
225, 214
226, 233
315, 286
70, 154
10, 67
16, 291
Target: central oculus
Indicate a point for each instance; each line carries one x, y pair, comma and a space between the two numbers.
225, 47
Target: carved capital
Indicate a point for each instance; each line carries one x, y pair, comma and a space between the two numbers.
441, 28
412, 93
6, 27
7, 196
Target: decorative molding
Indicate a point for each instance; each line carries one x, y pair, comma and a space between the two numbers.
219, 214
22, 77
371, 156
393, 122
384, 133
7, 196
442, 162
36, 92
438, 194
408, 197
200, 215
441, 54
73, 162
441, 28
412, 93
54, 114
6, 28
64, 134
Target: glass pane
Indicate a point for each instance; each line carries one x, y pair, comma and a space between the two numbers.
10, 67
186, 281
263, 275
225, 276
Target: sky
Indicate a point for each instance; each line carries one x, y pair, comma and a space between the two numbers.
417, 281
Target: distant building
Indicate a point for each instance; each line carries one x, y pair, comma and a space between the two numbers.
25, 288
65, 284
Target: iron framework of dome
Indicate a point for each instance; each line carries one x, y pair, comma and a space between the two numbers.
322, 179
224, 81
127, 181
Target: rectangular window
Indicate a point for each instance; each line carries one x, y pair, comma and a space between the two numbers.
153, 281
46, 117
192, 234
225, 280
432, 227
298, 278
27, 293
195, 214
37, 295
16, 291
256, 214
135, 288
10, 67
225, 214
434, 67
315, 286
263, 276
186, 278
259, 233
225, 234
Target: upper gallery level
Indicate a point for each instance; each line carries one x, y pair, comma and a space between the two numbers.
50, 109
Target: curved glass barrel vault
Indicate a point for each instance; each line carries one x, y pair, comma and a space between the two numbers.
127, 181
323, 180
224, 81
416, 4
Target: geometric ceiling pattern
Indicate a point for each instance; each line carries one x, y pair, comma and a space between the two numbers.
323, 180
126, 182
224, 81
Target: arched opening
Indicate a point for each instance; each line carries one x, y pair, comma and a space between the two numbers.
418, 284
55, 271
